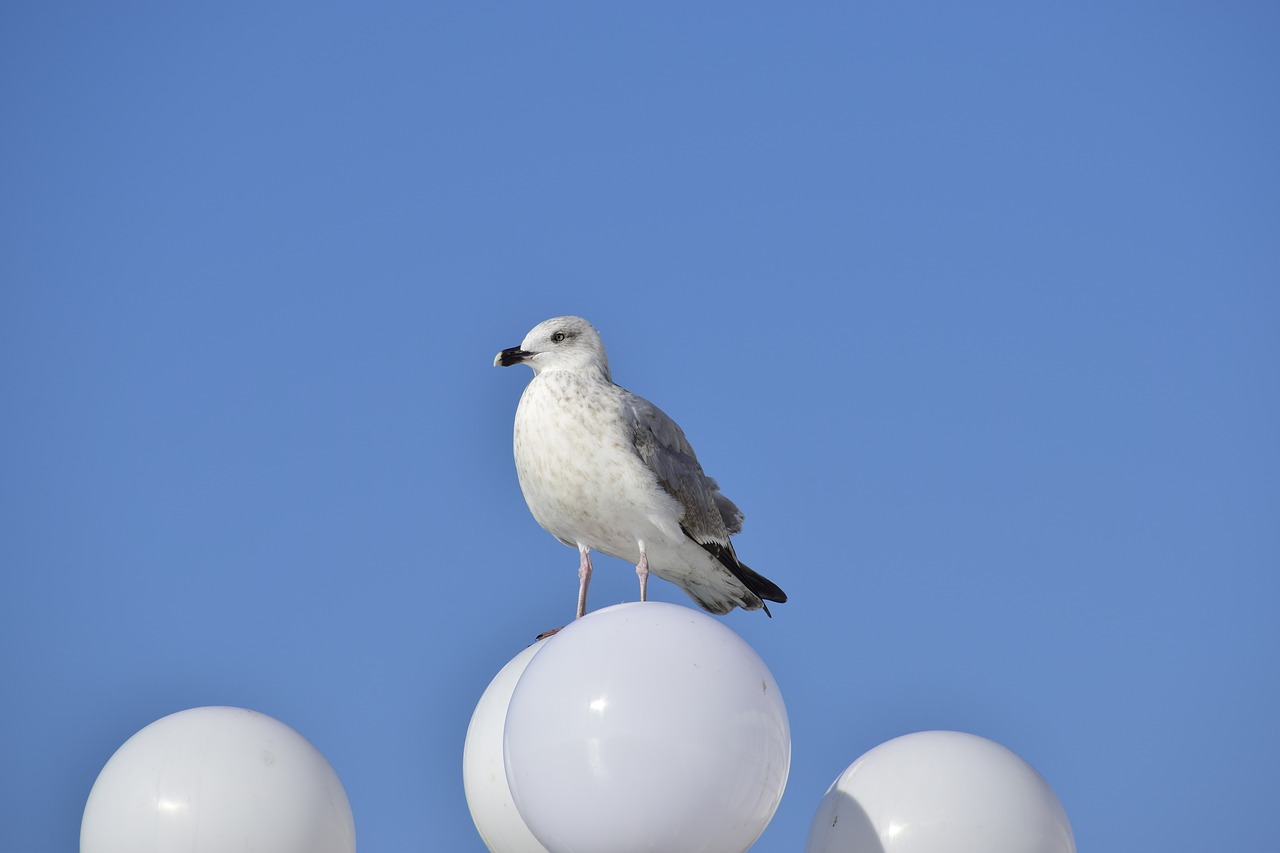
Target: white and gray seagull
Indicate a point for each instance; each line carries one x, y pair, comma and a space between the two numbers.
605, 470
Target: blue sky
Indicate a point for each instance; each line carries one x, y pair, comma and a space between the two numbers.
972, 308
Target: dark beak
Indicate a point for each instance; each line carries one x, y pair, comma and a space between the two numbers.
508, 357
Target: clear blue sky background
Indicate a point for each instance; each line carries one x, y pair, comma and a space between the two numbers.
973, 308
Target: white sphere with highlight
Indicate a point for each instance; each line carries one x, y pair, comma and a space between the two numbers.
647, 726
940, 792
217, 780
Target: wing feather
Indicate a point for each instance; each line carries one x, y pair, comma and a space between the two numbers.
708, 515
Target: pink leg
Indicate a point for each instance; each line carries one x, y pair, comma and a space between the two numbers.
584, 578
642, 569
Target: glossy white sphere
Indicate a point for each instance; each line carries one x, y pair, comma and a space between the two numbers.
217, 780
484, 775
647, 726
940, 792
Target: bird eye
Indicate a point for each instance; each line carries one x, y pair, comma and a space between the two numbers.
557, 337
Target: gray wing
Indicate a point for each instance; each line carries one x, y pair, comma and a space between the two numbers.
708, 515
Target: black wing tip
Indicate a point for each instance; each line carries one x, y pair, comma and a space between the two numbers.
756, 583
763, 587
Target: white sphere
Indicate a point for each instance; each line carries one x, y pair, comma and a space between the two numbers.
940, 792
217, 780
484, 775
647, 726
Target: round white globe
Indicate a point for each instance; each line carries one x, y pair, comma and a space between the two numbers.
940, 792
217, 780
484, 776
647, 726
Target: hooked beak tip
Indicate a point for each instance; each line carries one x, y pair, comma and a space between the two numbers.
508, 357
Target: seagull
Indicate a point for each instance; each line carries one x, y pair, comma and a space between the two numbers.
605, 470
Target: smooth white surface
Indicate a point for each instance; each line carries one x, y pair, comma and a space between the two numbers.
484, 776
217, 780
647, 726
940, 792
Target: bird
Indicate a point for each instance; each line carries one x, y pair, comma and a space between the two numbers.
605, 470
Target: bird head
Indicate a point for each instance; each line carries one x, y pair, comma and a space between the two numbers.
561, 343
